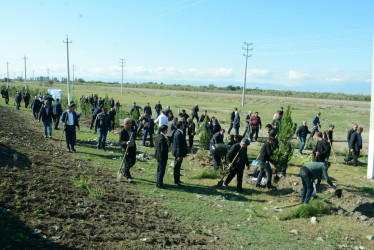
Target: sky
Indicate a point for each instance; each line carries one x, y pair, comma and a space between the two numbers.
297, 45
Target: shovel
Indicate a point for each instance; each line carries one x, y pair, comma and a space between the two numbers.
119, 173
220, 183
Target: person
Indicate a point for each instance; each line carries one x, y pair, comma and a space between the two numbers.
70, 122
213, 125
35, 106
183, 119
236, 166
195, 113
49, 98
18, 99
172, 127
170, 116
190, 131
148, 108
168, 111
146, 121
45, 115
281, 112
276, 122
301, 133
162, 120
256, 126
103, 123
232, 117
57, 112
26, 99
316, 123
321, 149
95, 112
118, 105
203, 116
6, 95
236, 123
112, 116
216, 139
124, 140
271, 130
135, 107
111, 102
234, 139
327, 136
101, 102
350, 132
247, 123
311, 172
158, 108
179, 151
264, 162
161, 153
355, 145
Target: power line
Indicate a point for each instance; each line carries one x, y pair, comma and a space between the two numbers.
247, 49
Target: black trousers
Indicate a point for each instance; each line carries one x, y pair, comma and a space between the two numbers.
26, 104
264, 169
190, 140
130, 160
56, 120
228, 131
161, 167
93, 120
354, 156
195, 116
177, 170
35, 113
238, 171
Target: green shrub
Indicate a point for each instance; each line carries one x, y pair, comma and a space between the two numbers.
96, 192
82, 182
314, 207
207, 174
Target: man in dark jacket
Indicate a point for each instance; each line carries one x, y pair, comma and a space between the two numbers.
236, 123
232, 117
162, 150
172, 127
355, 145
45, 115
203, 116
18, 99
256, 126
350, 132
179, 151
158, 108
95, 112
145, 122
35, 106
6, 95
112, 102
124, 141
316, 123
216, 139
264, 162
272, 132
301, 133
148, 108
103, 123
26, 99
167, 111
328, 137
195, 113
321, 149
57, 112
237, 159
112, 115
247, 123
70, 122
135, 107
190, 131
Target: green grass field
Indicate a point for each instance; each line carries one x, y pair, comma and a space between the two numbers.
247, 219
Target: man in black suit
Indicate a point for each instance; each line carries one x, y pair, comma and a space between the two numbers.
172, 127
35, 106
57, 112
70, 122
237, 167
162, 151
355, 145
351, 132
124, 141
26, 99
232, 117
179, 151
321, 150
45, 115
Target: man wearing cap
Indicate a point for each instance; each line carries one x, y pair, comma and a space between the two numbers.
124, 140
264, 162
179, 151
311, 172
69, 120
237, 159
162, 150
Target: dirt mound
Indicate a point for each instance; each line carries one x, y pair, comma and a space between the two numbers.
40, 207
353, 203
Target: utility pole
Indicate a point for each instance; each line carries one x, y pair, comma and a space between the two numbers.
73, 76
7, 74
370, 170
47, 74
25, 58
123, 61
245, 71
67, 56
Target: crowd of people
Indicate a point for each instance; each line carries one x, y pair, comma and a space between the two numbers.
173, 129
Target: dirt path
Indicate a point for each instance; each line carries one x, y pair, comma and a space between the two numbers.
41, 207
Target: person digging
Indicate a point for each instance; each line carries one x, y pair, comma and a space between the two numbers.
237, 159
311, 172
264, 162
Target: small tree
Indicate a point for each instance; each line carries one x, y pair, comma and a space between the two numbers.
287, 129
203, 131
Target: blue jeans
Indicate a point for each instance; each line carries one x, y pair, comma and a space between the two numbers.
161, 166
47, 123
102, 137
70, 136
158, 113
146, 131
255, 130
236, 130
307, 187
302, 145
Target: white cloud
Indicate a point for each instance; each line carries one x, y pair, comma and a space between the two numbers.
335, 79
258, 72
297, 75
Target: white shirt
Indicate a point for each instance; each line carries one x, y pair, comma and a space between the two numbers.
162, 120
70, 120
